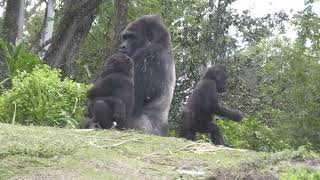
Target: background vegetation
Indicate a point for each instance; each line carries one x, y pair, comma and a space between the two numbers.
274, 78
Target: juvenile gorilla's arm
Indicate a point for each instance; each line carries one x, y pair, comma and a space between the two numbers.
117, 105
98, 91
105, 87
230, 114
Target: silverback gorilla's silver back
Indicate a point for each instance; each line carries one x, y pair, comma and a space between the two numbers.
148, 42
154, 117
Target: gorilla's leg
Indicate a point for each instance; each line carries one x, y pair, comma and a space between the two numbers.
188, 134
102, 113
89, 124
187, 125
118, 107
153, 118
109, 109
216, 136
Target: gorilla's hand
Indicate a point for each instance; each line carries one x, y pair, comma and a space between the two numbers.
119, 116
237, 116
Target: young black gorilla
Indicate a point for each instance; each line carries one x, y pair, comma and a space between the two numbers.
147, 41
203, 104
111, 98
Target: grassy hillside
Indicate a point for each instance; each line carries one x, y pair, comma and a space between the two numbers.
51, 153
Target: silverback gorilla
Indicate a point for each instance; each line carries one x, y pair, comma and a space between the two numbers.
147, 41
111, 98
203, 104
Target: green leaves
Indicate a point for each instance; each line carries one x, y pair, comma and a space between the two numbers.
252, 134
41, 98
18, 58
300, 173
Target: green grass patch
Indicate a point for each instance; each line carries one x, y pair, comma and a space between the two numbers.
29, 152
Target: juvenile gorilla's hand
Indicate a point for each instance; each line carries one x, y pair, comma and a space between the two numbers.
237, 115
118, 116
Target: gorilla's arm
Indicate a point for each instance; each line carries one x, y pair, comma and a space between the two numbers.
105, 86
230, 114
98, 91
117, 105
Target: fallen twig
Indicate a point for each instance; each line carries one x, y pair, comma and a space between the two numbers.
120, 143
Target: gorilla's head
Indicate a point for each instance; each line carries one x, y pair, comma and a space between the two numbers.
144, 31
119, 63
219, 74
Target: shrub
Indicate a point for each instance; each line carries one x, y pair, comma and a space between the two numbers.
301, 173
19, 59
251, 134
41, 98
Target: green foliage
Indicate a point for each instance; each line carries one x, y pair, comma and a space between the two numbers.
251, 134
205, 33
41, 98
33, 25
301, 173
18, 58
93, 50
293, 87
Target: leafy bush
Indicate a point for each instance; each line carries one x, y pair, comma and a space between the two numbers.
41, 98
293, 83
19, 59
294, 87
251, 134
301, 173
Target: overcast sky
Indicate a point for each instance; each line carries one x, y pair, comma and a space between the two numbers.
262, 7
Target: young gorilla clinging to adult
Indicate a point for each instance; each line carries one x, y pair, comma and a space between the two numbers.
203, 104
111, 98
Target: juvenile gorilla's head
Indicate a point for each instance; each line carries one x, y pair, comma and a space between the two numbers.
144, 31
220, 75
118, 63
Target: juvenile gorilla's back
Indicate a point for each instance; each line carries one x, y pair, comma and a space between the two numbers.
112, 96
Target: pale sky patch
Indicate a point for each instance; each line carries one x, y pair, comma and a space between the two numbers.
262, 7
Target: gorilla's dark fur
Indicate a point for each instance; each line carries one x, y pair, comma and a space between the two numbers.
203, 104
111, 99
147, 42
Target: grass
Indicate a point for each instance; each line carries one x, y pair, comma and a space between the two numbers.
53, 153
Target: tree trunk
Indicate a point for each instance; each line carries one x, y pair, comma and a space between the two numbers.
74, 26
13, 21
20, 21
47, 30
120, 22
12, 30
80, 34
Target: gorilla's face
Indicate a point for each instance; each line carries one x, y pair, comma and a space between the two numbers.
222, 84
129, 43
219, 74
143, 32
221, 80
